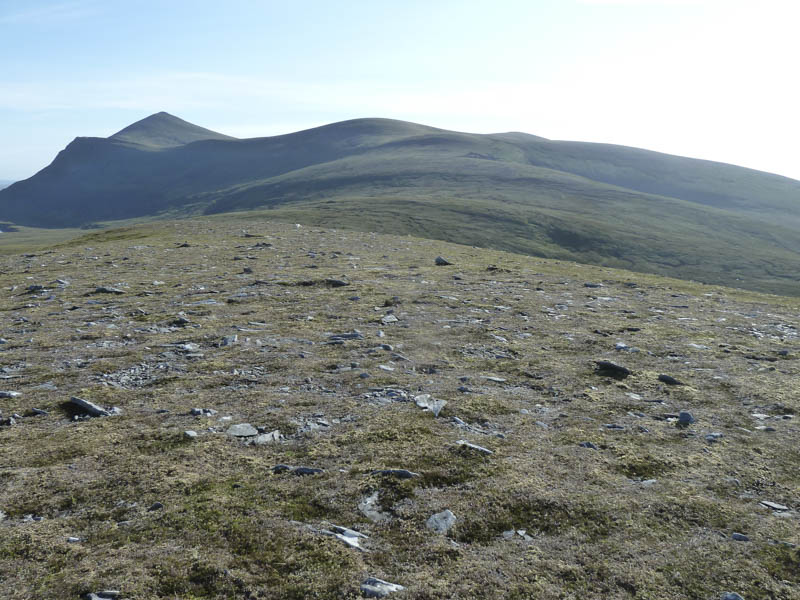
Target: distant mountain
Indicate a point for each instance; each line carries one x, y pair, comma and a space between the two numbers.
592, 203
162, 130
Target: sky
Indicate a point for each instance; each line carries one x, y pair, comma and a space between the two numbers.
712, 79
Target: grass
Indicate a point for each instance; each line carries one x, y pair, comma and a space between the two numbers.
232, 528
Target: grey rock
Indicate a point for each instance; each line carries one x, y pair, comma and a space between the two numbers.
442, 262
242, 430
203, 412
370, 508
351, 537
352, 335
387, 319
425, 401
104, 595
229, 340
592, 285
669, 380
74, 540
476, 448
731, 596
9, 394
685, 418
268, 438
300, 471
398, 473
774, 505
714, 437
372, 587
91, 408
108, 290
2, 515
336, 283
609, 369
189, 434
493, 379
441, 522
589, 445
155, 506
740, 537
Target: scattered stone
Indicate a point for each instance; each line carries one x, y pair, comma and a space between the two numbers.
203, 412
104, 595
267, 438
740, 537
155, 506
669, 380
370, 508
74, 540
2, 515
300, 471
442, 262
398, 473
336, 283
493, 379
774, 505
108, 290
387, 319
91, 408
189, 434
351, 537
425, 401
229, 340
685, 418
714, 437
242, 430
372, 587
731, 596
589, 445
441, 522
476, 448
607, 368
9, 394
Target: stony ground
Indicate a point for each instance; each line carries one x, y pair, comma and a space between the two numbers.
301, 410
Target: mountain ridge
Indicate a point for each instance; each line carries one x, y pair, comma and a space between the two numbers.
594, 203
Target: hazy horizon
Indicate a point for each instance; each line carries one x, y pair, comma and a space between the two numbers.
705, 79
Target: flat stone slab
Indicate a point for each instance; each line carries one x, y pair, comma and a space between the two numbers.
242, 430
773, 505
475, 447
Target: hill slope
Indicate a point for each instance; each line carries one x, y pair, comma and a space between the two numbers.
577, 484
588, 202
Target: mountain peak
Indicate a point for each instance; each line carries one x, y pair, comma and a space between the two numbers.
163, 130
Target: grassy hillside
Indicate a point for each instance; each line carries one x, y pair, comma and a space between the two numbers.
580, 482
594, 203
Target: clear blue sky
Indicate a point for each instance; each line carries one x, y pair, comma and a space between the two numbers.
712, 79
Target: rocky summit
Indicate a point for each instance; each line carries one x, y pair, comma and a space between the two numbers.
195, 409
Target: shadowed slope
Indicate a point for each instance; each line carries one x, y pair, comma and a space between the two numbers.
593, 203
